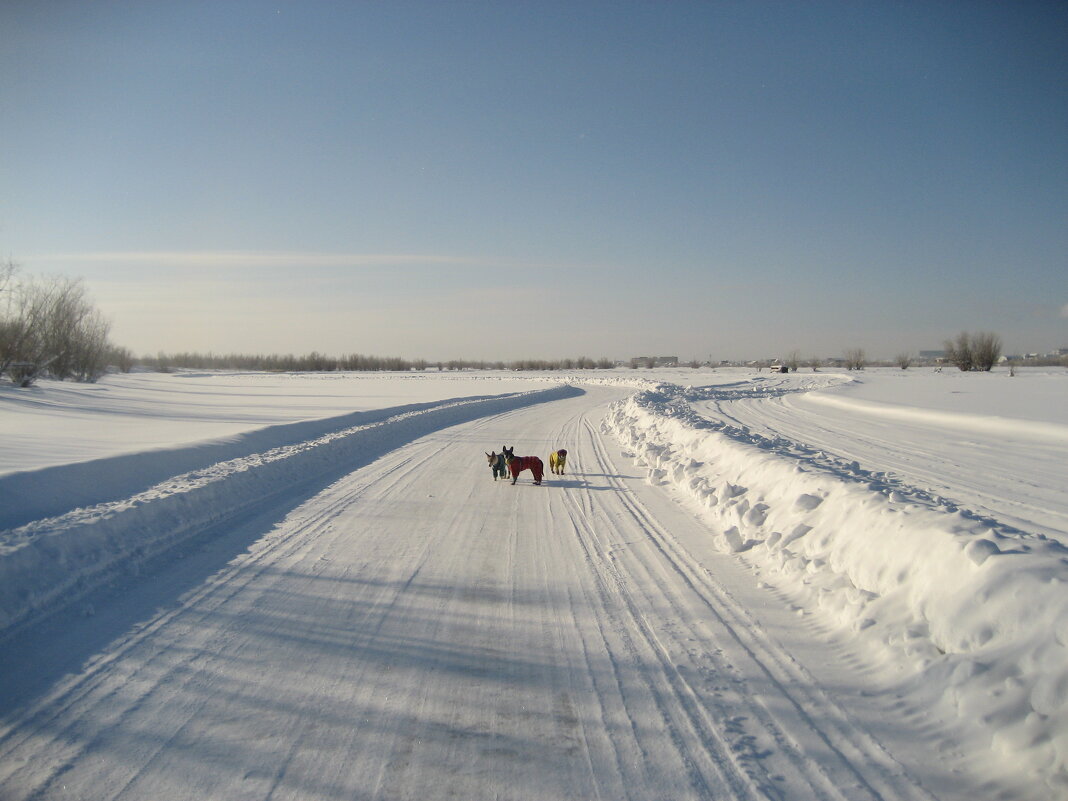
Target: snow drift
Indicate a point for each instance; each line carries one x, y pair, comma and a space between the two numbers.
56, 560
981, 608
938, 553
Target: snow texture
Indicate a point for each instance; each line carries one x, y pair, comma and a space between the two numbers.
62, 557
919, 513
981, 607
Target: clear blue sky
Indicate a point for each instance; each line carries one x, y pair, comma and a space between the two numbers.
503, 180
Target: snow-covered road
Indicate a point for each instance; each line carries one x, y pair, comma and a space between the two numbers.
580, 639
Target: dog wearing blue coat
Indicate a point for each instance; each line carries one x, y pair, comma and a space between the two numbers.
496, 463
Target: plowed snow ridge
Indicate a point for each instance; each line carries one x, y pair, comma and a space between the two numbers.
970, 600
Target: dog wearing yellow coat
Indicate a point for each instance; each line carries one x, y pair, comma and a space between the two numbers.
557, 459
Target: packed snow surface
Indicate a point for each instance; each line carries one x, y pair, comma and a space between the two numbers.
816, 585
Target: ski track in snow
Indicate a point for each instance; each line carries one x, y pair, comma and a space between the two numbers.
497, 642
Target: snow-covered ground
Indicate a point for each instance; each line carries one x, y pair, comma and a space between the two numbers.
814, 585
108, 440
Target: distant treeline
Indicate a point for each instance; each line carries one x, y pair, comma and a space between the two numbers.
318, 362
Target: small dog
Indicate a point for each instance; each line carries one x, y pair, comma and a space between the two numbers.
496, 463
557, 459
517, 464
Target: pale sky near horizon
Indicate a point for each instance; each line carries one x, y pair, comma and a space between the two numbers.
508, 180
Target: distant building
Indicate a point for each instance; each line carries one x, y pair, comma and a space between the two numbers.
932, 355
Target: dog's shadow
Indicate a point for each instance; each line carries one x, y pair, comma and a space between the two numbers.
583, 481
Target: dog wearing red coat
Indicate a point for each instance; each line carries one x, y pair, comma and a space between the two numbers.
517, 464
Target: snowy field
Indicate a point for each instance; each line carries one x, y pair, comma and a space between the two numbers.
820, 585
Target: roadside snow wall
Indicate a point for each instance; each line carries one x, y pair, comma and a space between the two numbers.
982, 611
54, 561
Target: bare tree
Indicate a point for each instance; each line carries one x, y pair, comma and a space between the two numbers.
8, 270
121, 358
903, 360
855, 359
12, 323
986, 350
49, 325
23, 320
974, 351
74, 333
792, 361
89, 348
959, 351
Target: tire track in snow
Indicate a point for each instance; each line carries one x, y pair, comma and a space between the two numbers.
625, 757
713, 768
850, 751
180, 662
637, 692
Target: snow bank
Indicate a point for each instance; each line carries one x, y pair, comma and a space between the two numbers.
55, 423
50, 491
56, 560
982, 609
